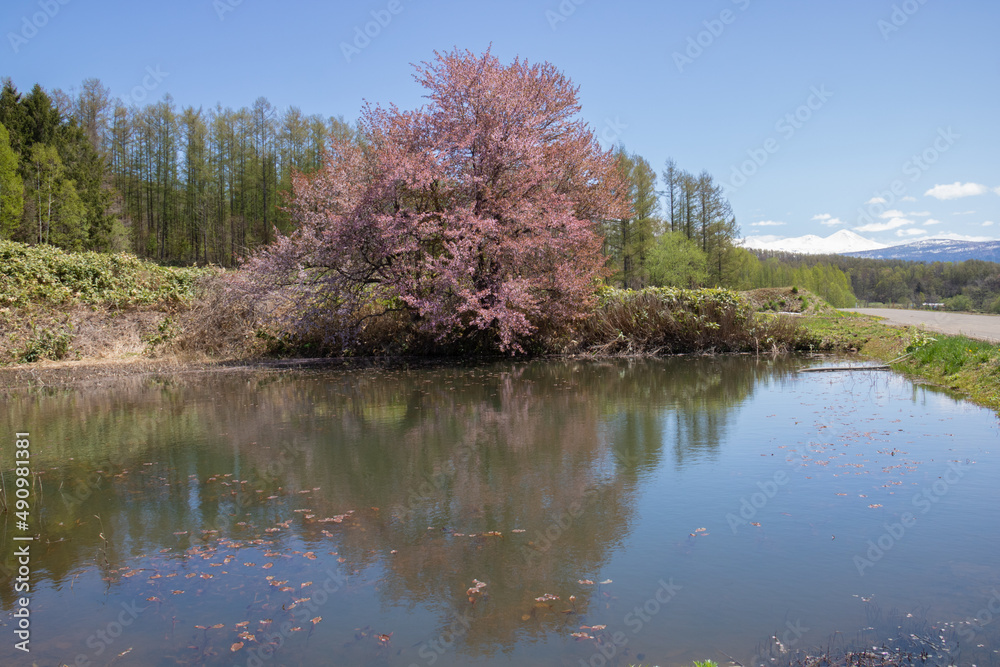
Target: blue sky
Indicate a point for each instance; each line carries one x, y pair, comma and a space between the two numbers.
811, 111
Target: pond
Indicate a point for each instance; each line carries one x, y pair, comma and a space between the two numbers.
538, 513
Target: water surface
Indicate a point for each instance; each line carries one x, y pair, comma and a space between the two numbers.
544, 513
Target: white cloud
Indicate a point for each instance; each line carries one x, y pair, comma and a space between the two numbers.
828, 220
876, 200
908, 198
910, 232
892, 214
932, 221
964, 213
920, 214
996, 190
988, 223
767, 223
956, 190
895, 223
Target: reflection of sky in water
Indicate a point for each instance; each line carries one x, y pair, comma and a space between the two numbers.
346, 516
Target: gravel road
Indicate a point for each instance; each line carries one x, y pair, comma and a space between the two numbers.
982, 327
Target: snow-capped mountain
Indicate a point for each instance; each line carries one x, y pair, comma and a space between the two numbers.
936, 250
847, 242
841, 243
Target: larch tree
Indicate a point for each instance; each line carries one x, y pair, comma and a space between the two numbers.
627, 241
475, 214
672, 193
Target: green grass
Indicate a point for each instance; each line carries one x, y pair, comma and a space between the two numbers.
47, 276
969, 366
840, 332
953, 354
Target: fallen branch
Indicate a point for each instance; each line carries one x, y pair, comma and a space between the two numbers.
831, 369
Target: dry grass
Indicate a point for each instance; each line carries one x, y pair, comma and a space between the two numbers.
219, 324
670, 321
94, 332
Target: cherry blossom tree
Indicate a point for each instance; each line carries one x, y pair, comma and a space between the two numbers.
474, 215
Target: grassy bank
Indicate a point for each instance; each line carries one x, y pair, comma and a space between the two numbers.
60, 306
57, 305
969, 366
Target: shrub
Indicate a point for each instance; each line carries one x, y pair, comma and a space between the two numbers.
47, 344
958, 303
45, 275
670, 320
166, 331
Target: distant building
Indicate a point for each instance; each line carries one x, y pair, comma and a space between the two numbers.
933, 305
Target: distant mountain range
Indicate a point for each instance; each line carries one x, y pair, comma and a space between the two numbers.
937, 250
848, 243
841, 243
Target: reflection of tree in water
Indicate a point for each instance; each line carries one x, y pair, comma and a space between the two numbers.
426, 457
684, 401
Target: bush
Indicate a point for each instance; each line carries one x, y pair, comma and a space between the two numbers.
47, 344
45, 275
166, 331
670, 320
958, 303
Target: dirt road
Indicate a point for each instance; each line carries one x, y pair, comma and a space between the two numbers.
982, 327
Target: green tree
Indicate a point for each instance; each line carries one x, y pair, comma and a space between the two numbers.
628, 240
676, 261
672, 194
11, 188
959, 303
12, 115
57, 212
742, 269
41, 118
